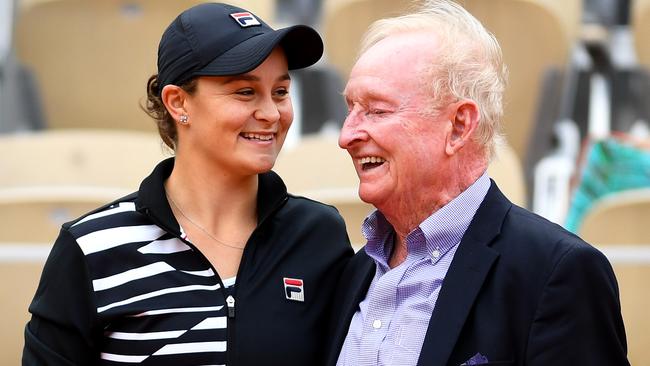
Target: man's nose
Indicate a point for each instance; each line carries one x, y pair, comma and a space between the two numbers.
352, 130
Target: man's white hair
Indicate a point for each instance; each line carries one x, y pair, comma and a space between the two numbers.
470, 65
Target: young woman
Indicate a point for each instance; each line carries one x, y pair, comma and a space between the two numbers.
211, 262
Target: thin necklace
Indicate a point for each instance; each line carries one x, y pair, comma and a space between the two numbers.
201, 227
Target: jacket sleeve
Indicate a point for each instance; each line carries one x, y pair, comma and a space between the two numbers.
578, 320
62, 327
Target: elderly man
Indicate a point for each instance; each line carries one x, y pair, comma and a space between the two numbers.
453, 273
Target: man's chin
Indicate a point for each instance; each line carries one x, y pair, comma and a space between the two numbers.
370, 195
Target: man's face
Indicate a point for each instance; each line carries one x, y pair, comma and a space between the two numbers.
396, 142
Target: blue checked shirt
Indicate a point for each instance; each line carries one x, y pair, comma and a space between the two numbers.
391, 322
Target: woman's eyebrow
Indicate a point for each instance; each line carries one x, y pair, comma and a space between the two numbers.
249, 77
242, 77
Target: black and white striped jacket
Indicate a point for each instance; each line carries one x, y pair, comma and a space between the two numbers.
121, 287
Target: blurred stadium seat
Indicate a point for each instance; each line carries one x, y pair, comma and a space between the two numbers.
100, 158
18, 282
317, 168
35, 214
617, 224
92, 59
264, 9
619, 218
641, 30
506, 171
345, 22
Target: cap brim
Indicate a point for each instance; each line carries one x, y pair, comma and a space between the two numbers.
302, 45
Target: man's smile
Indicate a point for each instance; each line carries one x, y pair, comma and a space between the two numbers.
370, 162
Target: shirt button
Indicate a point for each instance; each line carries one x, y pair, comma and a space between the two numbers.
436, 254
376, 324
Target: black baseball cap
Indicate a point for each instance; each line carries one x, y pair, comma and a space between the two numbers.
215, 39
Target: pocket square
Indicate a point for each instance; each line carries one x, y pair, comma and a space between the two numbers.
477, 359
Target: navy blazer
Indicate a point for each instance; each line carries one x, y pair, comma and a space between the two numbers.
520, 291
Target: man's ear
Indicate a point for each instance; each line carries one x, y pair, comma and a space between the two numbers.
464, 118
174, 99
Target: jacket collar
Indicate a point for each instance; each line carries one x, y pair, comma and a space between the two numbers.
464, 279
152, 200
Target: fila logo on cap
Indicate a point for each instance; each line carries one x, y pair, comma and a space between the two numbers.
245, 19
293, 289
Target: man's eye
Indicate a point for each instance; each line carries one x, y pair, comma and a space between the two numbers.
375, 112
245, 92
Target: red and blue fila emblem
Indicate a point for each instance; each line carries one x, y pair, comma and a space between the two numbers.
293, 289
245, 19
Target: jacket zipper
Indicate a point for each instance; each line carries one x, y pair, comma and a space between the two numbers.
230, 299
230, 325
230, 303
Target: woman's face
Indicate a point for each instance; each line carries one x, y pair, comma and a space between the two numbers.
239, 123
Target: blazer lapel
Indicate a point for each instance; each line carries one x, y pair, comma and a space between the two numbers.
355, 281
464, 279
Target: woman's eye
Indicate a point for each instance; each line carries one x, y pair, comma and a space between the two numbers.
282, 92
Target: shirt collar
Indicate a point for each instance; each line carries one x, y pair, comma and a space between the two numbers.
440, 232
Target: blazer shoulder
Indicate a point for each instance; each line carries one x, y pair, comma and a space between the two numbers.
531, 241
522, 222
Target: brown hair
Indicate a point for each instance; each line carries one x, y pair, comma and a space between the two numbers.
156, 109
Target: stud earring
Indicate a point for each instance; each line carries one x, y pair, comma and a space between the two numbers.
183, 119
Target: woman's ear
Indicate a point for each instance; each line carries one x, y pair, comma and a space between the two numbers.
174, 98
465, 117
